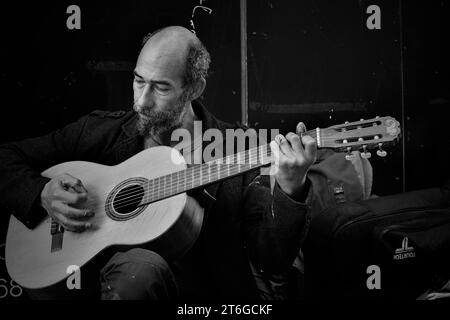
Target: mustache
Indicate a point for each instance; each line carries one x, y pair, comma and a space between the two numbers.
142, 110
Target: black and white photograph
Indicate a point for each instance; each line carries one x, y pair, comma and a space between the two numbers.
224, 159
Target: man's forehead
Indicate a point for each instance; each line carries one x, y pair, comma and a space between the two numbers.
162, 60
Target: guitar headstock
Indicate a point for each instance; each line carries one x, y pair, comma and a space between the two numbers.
363, 135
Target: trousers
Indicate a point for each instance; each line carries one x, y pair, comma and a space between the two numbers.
138, 274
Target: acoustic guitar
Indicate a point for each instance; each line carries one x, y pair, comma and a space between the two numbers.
142, 202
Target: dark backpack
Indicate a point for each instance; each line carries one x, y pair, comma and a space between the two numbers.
393, 247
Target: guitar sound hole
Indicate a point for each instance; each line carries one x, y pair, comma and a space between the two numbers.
128, 199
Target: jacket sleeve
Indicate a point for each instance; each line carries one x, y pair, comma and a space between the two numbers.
275, 224
21, 164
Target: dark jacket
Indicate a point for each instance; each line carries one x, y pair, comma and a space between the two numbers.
245, 220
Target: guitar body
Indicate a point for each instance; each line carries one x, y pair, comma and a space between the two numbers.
169, 226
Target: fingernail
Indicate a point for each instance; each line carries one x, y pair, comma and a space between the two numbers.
301, 127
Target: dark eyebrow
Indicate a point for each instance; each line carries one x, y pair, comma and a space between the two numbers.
161, 82
137, 74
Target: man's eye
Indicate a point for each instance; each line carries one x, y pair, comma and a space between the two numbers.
162, 89
139, 81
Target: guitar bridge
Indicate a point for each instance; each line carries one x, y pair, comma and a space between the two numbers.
57, 232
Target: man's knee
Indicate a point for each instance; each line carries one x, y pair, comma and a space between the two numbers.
137, 274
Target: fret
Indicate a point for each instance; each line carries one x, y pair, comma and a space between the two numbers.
261, 154
160, 186
163, 186
204, 173
209, 172
266, 154
237, 159
170, 191
228, 166
192, 175
253, 156
179, 186
241, 161
223, 170
166, 185
146, 186
186, 172
197, 175
150, 191
219, 168
157, 185
214, 172
174, 183
247, 160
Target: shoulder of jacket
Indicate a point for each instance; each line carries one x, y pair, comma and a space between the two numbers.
108, 114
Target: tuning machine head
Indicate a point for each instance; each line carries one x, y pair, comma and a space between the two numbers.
365, 154
349, 156
380, 151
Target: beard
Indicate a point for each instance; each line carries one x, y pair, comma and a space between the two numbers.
155, 123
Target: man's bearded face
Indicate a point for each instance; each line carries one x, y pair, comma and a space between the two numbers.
154, 121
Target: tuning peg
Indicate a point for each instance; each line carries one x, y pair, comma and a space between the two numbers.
365, 154
380, 151
349, 155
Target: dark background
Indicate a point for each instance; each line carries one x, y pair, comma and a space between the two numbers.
316, 56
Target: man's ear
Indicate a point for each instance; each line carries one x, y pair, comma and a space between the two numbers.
198, 89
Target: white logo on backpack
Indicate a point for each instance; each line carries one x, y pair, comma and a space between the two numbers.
405, 251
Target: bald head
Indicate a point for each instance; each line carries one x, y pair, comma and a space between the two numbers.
180, 48
172, 38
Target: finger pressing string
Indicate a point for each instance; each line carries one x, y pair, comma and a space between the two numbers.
280, 139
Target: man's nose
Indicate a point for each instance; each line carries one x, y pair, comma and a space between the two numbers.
145, 98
